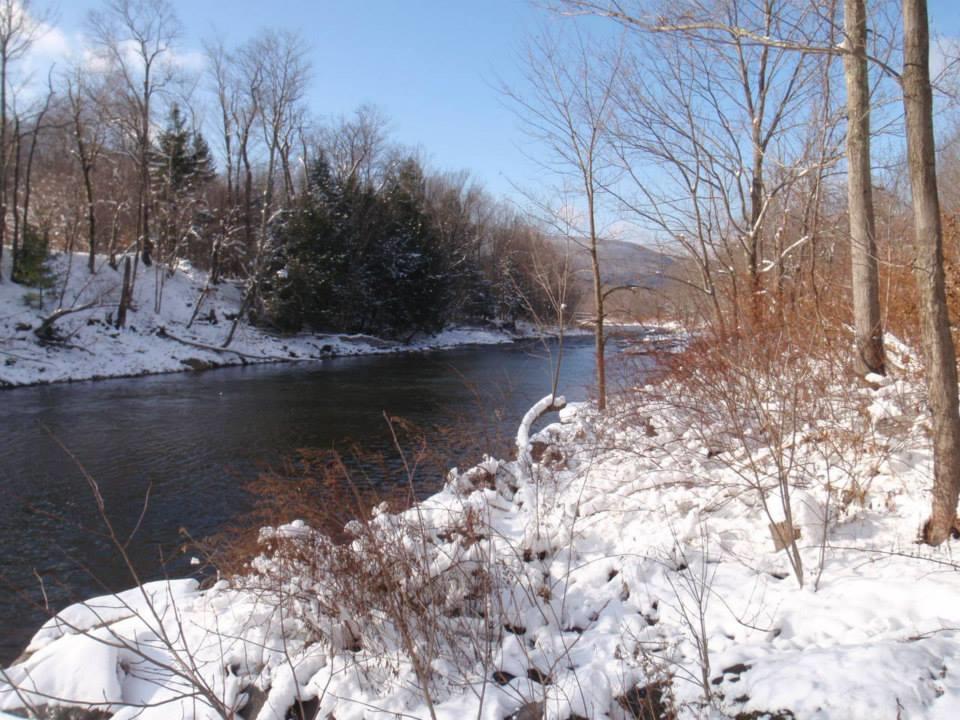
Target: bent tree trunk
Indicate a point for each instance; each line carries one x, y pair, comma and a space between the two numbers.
868, 327
938, 350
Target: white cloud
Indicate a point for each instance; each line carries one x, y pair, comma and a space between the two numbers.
51, 43
53, 46
189, 60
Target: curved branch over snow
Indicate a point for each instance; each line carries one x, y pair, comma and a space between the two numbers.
550, 403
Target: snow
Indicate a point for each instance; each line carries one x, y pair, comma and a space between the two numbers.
544, 405
633, 557
95, 349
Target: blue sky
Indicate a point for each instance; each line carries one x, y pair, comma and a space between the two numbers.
432, 66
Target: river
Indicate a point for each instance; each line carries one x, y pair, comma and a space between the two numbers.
190, 441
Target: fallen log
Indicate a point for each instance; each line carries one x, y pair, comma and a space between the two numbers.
45, 330
164, 333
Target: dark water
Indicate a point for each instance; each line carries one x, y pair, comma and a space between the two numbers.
193, 440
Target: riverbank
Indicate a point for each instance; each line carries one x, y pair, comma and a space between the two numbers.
625, 565
177, 337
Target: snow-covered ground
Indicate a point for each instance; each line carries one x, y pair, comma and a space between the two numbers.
93, 348
625, 563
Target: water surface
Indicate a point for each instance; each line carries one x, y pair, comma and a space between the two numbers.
185, 444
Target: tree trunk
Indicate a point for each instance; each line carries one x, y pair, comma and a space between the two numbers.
125, 292
86, 167
757, 109
599, 340
3, 152
15, 237
146, 247
868, 327
28, 171
247, 200
939, 353
91, 216
754, 251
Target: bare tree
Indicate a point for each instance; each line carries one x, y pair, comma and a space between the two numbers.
784, 29
277, 72
355, 145
89, 139
282, 57
569, 107
231, 96
20, 225
940, 355
246, 115
18, 30
723, 128
223, 85
134, 39
868, 327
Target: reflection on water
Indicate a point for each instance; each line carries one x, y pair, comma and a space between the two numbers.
185, 444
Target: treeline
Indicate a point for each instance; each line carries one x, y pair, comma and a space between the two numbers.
326, 223
396, 253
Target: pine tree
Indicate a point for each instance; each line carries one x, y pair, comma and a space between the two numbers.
310, 273
412, 272
204, 169
181, 161
180, 166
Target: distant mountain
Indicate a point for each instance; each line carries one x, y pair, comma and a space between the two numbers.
624, 263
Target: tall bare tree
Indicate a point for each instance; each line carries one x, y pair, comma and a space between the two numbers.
277, 70
868, 326
88, 137
799, 29
20, 222
569, 107
223, 85
135, 39
721, 124
18, 30
354, 145
245, 113
939, 352
285, 71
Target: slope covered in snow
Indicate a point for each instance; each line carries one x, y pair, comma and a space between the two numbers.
164, 340
625, 566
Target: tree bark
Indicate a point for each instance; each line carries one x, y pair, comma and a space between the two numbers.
868, 326
4, 57
598, 334
939, 353
125, 292
15, 238
146, 246
28, 170
85, 157
91, 212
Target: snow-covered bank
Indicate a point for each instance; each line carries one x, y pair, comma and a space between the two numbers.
161, 342
625, 567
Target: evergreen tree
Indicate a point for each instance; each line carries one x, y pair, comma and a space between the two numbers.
411, 269
204, 168
181, 161
181, 165
357, 257
310, 271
